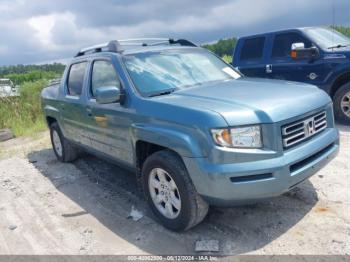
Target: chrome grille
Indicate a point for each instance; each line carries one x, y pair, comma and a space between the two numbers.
303, 129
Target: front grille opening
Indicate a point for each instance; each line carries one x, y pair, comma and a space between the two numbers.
295, 167
296, 138
250, 178
303, 129
294, 129
320, 121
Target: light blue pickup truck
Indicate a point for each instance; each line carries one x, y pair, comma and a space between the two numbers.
195, 131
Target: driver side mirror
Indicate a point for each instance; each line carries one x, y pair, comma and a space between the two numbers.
298, 51
108, 94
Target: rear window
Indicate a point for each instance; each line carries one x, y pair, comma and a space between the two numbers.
76, 79
253, 49
282, 44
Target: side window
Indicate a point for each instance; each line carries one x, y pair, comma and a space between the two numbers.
103, 74
283, 43
76, 79
253, 49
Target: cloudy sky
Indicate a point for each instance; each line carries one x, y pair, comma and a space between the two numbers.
33, 31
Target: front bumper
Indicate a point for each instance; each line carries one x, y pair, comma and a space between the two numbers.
232, 183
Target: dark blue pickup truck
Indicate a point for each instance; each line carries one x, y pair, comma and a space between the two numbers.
314, 55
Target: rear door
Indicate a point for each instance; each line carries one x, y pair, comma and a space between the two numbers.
251, 57
285, 68
72, 106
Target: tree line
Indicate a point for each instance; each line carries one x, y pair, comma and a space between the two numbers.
21, 69
30, 73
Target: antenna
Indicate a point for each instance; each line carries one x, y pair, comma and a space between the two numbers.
333, 13
333, 21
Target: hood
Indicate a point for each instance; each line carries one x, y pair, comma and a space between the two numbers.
251, 100
339, 51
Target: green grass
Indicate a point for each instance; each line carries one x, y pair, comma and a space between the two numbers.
227, 58
23, 114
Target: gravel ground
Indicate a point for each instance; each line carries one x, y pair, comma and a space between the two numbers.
47, 207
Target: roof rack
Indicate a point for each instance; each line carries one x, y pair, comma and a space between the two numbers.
116, 45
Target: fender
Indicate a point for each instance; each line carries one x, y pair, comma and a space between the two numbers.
182, 143
51, 111
331, 79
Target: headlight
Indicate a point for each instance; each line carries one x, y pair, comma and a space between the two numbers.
241, 137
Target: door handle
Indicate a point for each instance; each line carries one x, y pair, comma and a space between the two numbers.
89, 111
268, 69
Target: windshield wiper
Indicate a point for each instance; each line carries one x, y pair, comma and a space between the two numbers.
337, 46
163, 92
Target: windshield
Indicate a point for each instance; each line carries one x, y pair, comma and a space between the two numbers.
161, 72
327, 37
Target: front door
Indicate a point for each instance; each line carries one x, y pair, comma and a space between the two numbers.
109, 123
282, 66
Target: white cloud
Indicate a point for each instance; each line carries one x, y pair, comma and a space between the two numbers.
39, 30
8, 6
43, 26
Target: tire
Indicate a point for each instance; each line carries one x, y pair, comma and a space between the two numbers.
192, 209
342, 104
64, 150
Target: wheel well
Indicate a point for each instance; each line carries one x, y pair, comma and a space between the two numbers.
343, 79
145, 149
50, 120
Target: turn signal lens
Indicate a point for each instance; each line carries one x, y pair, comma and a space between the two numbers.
222, 137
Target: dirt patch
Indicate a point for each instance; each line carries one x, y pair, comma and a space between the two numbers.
84, 207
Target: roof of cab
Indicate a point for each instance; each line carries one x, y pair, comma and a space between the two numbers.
279, 31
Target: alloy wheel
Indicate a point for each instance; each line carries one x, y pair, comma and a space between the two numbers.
164, 193
345, 104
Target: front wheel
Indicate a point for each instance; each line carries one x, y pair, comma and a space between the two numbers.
342, 103
170, 192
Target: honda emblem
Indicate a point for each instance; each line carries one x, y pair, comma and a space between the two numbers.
310, 127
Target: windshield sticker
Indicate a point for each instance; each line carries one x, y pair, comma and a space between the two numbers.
231, 72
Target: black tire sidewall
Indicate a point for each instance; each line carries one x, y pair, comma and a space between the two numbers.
177, 173
55, 127
338, 112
